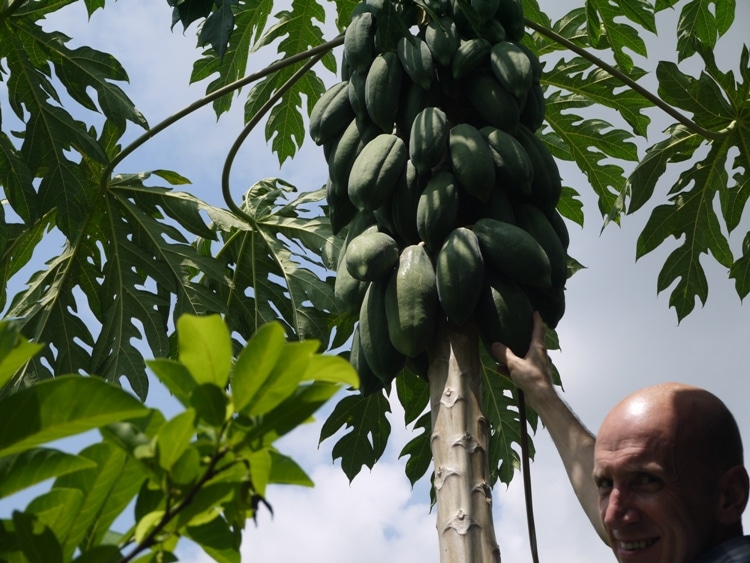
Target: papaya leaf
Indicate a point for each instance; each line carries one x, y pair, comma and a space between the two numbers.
218, 26
61, 407
250, 20
28, 468
580, 79
15, 351
188, 11
500, 405
690, 213
605, 27
740, 271
273, 265
418, 450
701, 96
366, 441
592, 143
17, 182
698, 23
413, 394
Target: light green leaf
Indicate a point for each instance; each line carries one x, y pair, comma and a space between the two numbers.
260, 469
205, 505
15, 351
61, 407
174, 437
57, 509
34, 466
187, 467
332, 369
255, 362
284, 470
205, 348
283, 379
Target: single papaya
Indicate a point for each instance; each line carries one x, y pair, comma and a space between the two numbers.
512, 67
376, 171
386, 362
513, 252
533, 220
504, 314
371, 255
331, 114
359, 41
471, 54
471, 159
416, 60
411, 302
442, 39
493, 103
513, 168
369, 383
437, 210
382, 88
428, 140
459, 272
546, 185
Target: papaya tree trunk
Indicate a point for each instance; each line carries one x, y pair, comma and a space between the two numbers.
459, 443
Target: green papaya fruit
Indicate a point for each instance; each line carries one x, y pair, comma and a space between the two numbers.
512, 67
459, 273
359, 41
382, 87
411, 302
504, 314
471, 54
442, 39
383, 358
510, 14
513, 168
331, 114
472, 162
533, 220
494, 104
371, 255
546, 185
416, 60
428, 140
513, 252
437, 209
376, 171
369, 383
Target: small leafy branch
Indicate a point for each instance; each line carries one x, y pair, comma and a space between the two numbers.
200, 474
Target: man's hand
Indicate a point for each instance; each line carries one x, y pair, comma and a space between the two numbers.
532, 374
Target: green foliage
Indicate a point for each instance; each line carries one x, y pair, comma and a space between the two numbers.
711, 135
199, 475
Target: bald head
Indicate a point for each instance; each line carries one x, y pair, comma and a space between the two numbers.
694, 421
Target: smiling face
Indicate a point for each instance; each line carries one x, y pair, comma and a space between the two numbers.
658, 498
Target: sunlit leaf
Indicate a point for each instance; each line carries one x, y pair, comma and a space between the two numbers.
28, 468
174, 437
61, 407
205, 348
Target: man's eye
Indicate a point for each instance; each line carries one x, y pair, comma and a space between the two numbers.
649, 481
604, 486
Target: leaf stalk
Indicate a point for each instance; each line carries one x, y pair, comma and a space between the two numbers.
159, 127
654, 99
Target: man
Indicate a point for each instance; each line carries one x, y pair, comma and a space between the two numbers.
664, 481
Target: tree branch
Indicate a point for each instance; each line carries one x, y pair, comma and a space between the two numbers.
159, 127
687, 122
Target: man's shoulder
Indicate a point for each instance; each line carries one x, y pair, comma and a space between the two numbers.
736, 550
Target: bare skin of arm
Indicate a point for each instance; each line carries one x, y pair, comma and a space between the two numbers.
574, 443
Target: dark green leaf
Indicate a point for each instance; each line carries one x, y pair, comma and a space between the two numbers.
210, 403
413, 394
218, 26
36, 540
418, 450
365, 442
217, 540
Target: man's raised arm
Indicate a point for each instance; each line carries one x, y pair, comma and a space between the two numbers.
574, 442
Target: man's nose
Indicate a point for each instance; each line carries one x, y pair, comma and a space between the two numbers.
619, 509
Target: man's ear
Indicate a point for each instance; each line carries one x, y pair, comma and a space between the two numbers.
733, 494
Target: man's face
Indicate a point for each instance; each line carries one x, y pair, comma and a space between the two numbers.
656, 505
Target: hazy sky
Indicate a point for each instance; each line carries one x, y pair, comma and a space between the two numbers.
617, 334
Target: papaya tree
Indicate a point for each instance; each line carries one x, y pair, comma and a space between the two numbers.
442, 217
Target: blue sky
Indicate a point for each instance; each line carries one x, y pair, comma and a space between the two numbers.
617, 335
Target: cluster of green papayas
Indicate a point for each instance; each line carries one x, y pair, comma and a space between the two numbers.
447, 194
